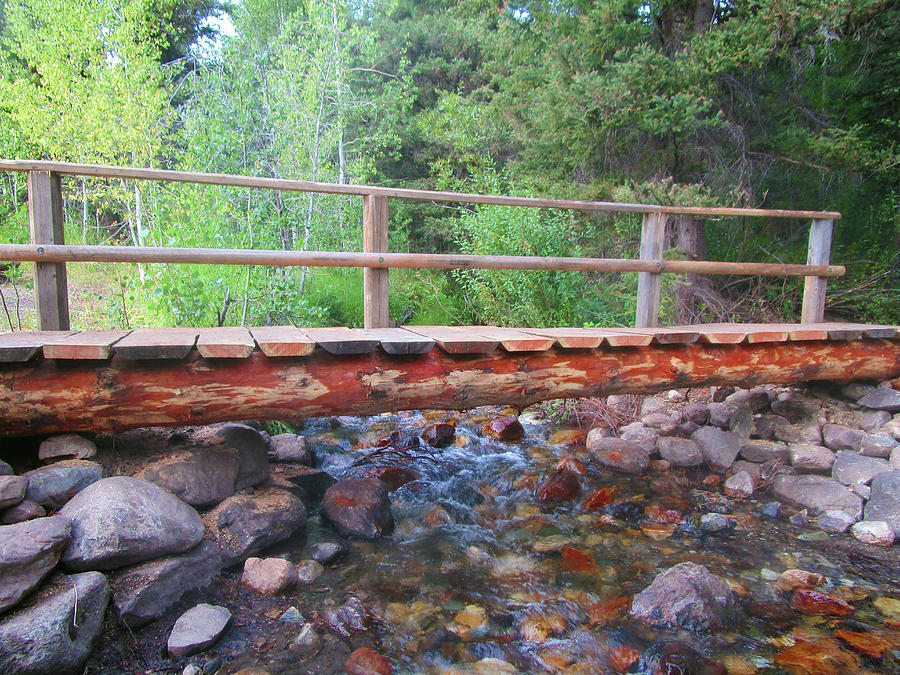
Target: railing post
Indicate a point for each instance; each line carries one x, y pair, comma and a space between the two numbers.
814, 287
375, 280
45, 217
653, 234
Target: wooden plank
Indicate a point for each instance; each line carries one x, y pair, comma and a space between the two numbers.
456, 340
157, 343
46, 219
375, 280
21, 346
515, 340
670, 336
225, 343
623, 337
342, 341
570, 338
278, 341
653, 235
819, 254
400, 341
96, 345
736, 333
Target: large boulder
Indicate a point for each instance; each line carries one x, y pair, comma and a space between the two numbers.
884, 503
200, 476
882, 398
12, 490
147, 591
850, 468
246, 524
680, 451
55, 630
66, 445
817, 494
839, 437
24, 510
686, 596
810, 458
720, 448
251, 447
28, 552
293, 448
358, 507
53, 485
121, 520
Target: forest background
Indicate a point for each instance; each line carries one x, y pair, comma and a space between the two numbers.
768, 103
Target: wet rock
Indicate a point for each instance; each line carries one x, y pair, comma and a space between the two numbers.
877, 445
850, 467
201, 477
119, 521
559, 486
839, 437
572, 465
359, 507
835, 521
268, 576
810, 458
765, 451
12, 490
308, 571
817, 602
24, 510
394, 477
439, 435
289, 448
698, 413
876, 532
366, 661
325, 552
197, 629
68, 446
642, 436
307, 641
770, 509
816, 493
720, 448
796, 407
620, 454
792, 579
145, 592
313, 482
246, 524
686, 596
53, 485
28, 552
5, 469
506, 428
716, 522
799, 433
765, 425
351, 617
712, 502
884, 504
882, 398
739, 485
800, 519
251, 448
680, 451
673, 657
55, 630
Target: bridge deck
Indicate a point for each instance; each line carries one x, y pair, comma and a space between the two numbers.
114, 380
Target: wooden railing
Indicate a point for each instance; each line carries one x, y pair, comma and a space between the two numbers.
50, 253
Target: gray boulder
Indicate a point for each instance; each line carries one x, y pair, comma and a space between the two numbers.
121, 520
877, 445
66, 445
720, 414
851, 467
817, 494
358, 507
720, 448
796, 407
55, 630
686, 596
839, 437
197, 629
28, 552
680, 451
799, 433
809, 458
835, 521
642, 436
882, 398
884, 503
289, 448
12, 490
53, 485
200, 476
147, 591
762, 451
620, 454
24, 510
251, 447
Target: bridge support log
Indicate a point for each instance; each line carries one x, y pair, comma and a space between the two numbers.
46, 396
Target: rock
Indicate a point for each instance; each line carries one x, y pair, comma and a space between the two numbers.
875, 532
197, 629
755, 470
720, 414
792, 579
741, 422
891, 427
818, 494
325, 552
757, 399
810, 458
838, 437
359, 507
24, 510
289, 448
251, 448
816, 602
308, 571
439, 435
121, 520
620, 454
877, 445
366, 661
596, 433
895, 459
201, 477
55, 630
393, 477
246, 524
855, 390
5, 469
799, 433
720, 393
66, 445
651, 405
800, 519
850, 467
312, 482
862, 490
28, 552
697, 413
884, 504
739, 485
720, 448
835, 521
765, 425
796, 407
12, 490
559, 486
52, 486
145, 592
882, 398
268, 576
307, 642
506, 428
765, 451
680, 451
716, 522
674, 657
770, 509
660, 421
871, 420
712, 502
643, 436
686, 596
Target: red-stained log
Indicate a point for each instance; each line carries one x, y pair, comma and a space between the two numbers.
44, 396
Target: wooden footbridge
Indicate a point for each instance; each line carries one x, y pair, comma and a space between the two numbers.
57, 379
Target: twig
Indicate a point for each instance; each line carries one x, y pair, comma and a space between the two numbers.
5, 309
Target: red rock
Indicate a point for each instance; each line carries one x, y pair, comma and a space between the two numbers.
561, 486
572, 465
819, 657
660, 515
392, 476
621, 659
268, 576
358, 507
603, 613
599, 498
577, 561
506, 428
366, 661
791, 580
816, 602
865, 643
712, 480
439, 435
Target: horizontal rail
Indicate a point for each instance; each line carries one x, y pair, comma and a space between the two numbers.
214, 256
104, 171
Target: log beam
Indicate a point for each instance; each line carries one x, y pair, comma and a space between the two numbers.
48, 396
